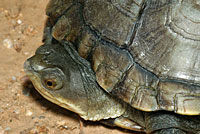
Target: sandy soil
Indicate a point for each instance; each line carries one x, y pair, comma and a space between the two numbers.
22, 109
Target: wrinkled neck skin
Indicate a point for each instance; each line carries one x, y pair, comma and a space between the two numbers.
100, 105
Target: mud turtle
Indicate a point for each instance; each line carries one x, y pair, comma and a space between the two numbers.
129, 63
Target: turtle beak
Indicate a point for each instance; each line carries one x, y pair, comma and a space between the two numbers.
27, 67
33, 64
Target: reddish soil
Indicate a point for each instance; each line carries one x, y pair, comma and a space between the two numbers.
22, 109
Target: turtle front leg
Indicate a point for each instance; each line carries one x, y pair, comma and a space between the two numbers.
123, 122
164, 122
132, 119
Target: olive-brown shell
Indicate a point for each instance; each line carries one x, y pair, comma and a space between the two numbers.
147, 53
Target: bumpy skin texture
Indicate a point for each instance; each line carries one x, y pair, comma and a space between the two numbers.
144, 52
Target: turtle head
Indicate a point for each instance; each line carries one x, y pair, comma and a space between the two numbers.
57, 77
60, 75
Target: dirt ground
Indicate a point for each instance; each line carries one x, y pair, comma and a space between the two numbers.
22, 109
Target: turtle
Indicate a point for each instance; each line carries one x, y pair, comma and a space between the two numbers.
134, 64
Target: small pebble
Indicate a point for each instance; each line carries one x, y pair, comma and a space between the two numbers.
19, 22
7, 128
36, 123
14, 78
14, 22
33, 131
33, 117
29, 113
62, 124
17, 111
30, 29
20, 14
17, 47
42, 129
8, 43
6, 12
20, 32
42, 117
26, 53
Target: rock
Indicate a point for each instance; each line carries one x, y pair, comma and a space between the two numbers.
61, 124
8, 43
29, 113
19, 21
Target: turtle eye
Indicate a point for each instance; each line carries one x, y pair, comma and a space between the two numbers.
51, 83
52, 79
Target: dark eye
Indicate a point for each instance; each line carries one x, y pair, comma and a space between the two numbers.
53, 84
50, 83
52, 78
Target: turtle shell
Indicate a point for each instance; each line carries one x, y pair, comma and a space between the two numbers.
146, 53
